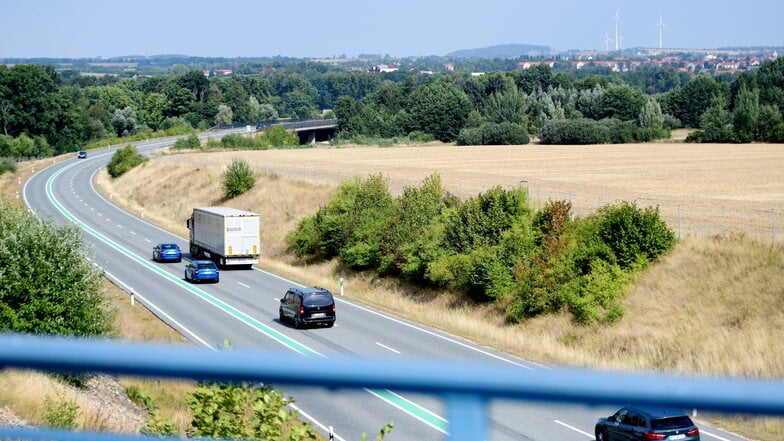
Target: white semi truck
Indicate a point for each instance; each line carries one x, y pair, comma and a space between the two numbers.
225, 235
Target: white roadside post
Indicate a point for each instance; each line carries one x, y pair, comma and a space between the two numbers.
341, 286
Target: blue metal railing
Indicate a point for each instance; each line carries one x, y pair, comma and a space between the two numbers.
466, 388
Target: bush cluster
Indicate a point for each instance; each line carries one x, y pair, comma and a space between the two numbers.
493, 247
123, 160
605, 131
504, 133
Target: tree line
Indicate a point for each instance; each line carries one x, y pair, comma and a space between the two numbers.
43, 113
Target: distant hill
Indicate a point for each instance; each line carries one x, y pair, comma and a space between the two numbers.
503, 51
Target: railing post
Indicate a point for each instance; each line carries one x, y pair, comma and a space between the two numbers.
466, 415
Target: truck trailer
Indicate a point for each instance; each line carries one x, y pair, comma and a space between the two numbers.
227, 236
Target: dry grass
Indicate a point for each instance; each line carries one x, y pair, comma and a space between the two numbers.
712, 306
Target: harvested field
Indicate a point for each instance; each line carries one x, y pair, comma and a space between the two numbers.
701, 189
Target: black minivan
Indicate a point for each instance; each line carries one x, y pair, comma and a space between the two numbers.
308, 306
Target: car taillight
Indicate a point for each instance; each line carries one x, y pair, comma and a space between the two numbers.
693, 432
651, 435
301, 310
333, 308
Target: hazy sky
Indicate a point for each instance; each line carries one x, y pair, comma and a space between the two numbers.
325, 28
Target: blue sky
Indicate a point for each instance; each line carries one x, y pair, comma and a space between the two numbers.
326, 28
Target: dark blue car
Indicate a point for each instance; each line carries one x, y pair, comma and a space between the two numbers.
201, 270
647, 423
166, 252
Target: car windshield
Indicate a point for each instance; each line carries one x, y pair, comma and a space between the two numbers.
678, 422
169, 246
317, 299
206, 266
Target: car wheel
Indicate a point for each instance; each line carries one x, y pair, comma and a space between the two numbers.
297, 322
330, 324
600, 436
186, 276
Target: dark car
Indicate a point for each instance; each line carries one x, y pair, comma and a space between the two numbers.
308, 306
201, 270
647, 423
82, 154
166, 252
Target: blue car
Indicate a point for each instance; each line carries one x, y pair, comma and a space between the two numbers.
201, 270
166, 252
82, 154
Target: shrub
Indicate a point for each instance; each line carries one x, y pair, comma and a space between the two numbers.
7, 165
634, 234
47, 285
573, 131
646, 134
61, 414
123, 160
238, 178
191, 142
245, 411
505, 133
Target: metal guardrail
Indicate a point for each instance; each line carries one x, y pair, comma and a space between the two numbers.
465, 388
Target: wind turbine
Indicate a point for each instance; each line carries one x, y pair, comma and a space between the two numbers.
607, 41
617, 19
660, 25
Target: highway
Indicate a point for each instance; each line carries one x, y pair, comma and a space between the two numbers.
243, 307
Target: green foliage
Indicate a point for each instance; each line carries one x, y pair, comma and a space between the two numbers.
157, 425
621, 102
275, 137
355, 217
191, 142
47, 285
573, 131
505, 133
238, 178
245, 411
381, 433
7, 165
481, 220
24, 147
491, 247
123, 160
439, 108
634, 234
61, 414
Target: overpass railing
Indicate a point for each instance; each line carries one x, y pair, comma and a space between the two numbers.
465, 388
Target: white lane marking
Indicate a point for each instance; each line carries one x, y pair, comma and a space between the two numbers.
712, 435
133, 232
246, 286
443, 337
92, 209
146, 240
573, 428
316, 422
151, 305
388, 348
108, 220
119, 226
